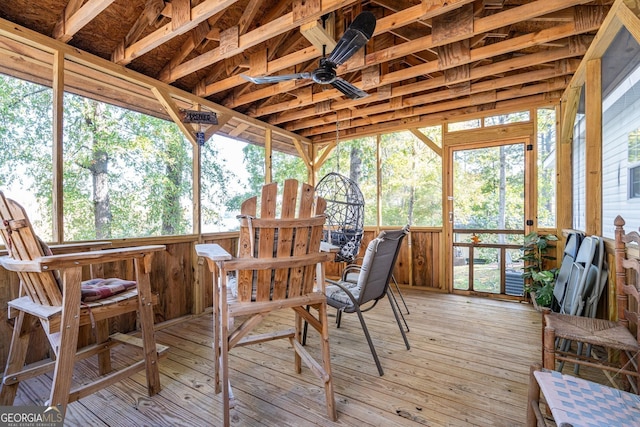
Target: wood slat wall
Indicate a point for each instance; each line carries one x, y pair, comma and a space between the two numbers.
418, 263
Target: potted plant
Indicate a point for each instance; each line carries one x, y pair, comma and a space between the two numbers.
540, 279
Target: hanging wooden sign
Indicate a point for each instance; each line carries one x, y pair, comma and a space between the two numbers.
201, 117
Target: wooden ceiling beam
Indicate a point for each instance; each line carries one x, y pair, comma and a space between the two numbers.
383, 25
427, 42
76, 16
555, 33
439, 118
152, 12
560, 67
199, 36
416, 103
179, 24
277, 26
414, 113
388, 23
525, 78
318, 36
249, 14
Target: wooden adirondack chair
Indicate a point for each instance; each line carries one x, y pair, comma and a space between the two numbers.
278, 260
50, 294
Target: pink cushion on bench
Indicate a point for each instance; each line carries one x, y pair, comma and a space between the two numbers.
96, 289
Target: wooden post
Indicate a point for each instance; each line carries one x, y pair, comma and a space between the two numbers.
268, 173
564, 199
198, 279
378, 183
58, 135
593, 155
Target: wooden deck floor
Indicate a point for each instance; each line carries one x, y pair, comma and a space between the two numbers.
468, 366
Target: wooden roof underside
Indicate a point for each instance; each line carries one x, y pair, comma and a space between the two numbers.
429, 61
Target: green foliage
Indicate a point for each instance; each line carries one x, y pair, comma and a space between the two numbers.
546, 167
411, 181
125, 174
489, 187
356, 159
540, 279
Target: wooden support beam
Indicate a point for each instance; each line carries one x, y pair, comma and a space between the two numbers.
278, 26
440, 117
76, 16
428, 142
593, 154
475, 55
325, 154
427, 10
198, 37
318, 36
268, 158
303, 154
415, 113
300, 119
58, 147
249, 14
196, 174
174, 112
152, 11
197, 15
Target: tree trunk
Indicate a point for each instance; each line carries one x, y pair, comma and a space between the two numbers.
355, 165
101, 204
412, 185
99, 168
171, 211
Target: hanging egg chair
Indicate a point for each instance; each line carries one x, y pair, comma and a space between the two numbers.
344, 226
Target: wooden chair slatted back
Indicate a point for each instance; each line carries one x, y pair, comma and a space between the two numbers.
290, 235
22, 244
627, 278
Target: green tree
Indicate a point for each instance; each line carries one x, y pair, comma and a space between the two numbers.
546, 167
107, 152
26, 121
356, 159
411, 181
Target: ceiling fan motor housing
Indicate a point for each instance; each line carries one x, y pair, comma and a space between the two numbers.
325, 73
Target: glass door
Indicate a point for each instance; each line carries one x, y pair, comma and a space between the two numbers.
488, 219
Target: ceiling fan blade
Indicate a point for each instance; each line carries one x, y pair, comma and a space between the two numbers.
276, 79
349, 90
356, 36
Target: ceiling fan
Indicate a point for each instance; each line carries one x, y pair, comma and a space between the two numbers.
356, 36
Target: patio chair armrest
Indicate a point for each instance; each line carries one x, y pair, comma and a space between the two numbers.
351, 268
78, 259
213, 251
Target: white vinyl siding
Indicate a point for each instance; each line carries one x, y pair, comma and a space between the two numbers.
579, 182
621, 116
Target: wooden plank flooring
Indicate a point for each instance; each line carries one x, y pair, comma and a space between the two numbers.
468, 366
